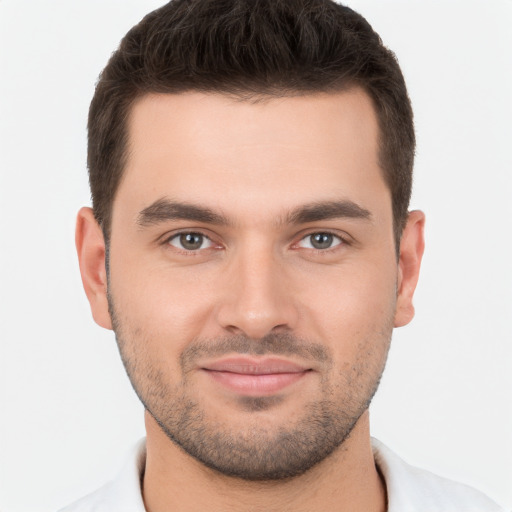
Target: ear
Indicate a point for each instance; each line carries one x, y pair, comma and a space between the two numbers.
412, 245
90, 246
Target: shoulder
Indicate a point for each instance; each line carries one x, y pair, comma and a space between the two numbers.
122, 494
412, 489
98, 501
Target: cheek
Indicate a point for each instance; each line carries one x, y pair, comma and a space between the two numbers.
166, 308
354, 304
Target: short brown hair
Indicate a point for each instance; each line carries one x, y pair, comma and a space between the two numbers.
249, 48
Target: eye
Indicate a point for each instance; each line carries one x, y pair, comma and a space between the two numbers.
190, 241
320, 241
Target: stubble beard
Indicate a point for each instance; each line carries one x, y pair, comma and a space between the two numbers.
255, 452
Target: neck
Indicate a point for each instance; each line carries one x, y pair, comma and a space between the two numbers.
347, 479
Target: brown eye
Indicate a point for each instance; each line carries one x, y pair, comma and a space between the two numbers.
190, 241
320, 241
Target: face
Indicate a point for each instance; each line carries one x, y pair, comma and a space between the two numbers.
254, 282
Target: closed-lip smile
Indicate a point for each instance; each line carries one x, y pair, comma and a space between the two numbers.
251, 376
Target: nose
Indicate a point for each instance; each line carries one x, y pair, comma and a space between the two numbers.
258, 297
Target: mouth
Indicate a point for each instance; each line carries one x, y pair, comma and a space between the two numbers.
255, 377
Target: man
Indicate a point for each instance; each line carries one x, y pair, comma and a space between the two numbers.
250, 245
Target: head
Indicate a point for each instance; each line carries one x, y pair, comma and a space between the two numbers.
250, 166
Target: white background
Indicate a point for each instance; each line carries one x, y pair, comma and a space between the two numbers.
68, 413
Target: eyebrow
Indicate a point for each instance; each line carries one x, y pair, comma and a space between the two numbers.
164, 210
325, 210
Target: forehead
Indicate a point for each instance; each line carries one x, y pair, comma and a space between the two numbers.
274, 153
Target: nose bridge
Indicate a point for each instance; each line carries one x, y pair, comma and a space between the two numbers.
257, 300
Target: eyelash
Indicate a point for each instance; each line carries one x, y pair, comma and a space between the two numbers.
343, 241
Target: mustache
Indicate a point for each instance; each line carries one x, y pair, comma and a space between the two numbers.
280, 344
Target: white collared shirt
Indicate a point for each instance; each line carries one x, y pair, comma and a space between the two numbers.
409, 489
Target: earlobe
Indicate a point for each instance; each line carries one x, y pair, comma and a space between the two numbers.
90, 246
411, 251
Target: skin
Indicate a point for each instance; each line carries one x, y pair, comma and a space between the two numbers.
256, 277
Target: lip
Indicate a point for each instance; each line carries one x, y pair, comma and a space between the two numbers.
255, 377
